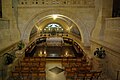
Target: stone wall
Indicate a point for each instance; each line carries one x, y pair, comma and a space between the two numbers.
16, 16
83, 16
9, 32
106, 34
103, 10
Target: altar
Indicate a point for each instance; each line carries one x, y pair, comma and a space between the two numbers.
54, 41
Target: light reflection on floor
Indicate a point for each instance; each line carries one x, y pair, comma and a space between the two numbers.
52, 76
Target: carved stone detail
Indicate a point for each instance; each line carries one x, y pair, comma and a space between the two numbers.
57, 2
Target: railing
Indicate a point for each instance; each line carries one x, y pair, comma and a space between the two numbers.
60, 34
112, 33
76, 35
9, 48
6, 69
56, 2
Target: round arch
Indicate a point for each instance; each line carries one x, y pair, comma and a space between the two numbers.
70, 15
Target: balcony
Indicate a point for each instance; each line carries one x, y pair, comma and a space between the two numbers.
57, 3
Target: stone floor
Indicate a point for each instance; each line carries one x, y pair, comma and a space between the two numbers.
54, 75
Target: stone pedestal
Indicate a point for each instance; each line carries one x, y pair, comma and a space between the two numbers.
99, 64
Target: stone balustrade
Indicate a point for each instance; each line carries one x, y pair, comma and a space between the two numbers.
112, 31
56, 2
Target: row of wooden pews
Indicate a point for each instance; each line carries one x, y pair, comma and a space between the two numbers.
30, 68
91, 75
79, 69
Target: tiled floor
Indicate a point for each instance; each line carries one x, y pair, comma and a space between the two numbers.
51, 75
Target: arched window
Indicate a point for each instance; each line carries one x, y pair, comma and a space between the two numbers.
53, 28
0, 8
116, 8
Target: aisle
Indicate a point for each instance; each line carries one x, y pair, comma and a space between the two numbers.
54, 70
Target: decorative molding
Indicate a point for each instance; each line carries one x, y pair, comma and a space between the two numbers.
56, 2
55, 6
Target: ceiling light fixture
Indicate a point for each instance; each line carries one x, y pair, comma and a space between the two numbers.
54, 16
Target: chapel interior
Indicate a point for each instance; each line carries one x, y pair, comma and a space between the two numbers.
59, 39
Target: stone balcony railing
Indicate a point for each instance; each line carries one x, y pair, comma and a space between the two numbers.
57, 2
112, 31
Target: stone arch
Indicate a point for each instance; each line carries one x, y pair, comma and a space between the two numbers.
76, 19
